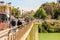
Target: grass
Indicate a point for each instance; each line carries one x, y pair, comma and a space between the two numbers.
49, 36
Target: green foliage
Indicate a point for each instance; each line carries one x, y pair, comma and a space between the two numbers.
46, 27
52, 9
27, 15
16, 12
40, 13
58, 1
56, 13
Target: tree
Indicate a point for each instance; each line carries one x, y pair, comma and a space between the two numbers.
15, 12
56, 13
58, 1
49, 8
28, 14
40, 13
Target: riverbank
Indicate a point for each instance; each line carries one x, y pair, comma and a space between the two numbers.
49, 36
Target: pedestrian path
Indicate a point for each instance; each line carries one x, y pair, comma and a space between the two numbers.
21, 34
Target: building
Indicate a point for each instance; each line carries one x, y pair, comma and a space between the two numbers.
5, 7
5, 11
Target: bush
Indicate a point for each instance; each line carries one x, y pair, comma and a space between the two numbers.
48, 27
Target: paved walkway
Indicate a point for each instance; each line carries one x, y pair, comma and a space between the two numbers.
21, 34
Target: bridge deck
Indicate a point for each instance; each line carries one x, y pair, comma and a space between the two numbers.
22, 33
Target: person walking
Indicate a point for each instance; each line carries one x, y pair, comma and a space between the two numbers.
19, 23
13, 23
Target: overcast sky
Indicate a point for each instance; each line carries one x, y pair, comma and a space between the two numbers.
28, 4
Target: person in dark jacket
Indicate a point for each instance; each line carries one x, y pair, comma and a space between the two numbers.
13, 23
19, 23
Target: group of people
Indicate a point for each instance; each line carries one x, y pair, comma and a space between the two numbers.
13, 24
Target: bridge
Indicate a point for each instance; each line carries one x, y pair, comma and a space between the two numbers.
27, 32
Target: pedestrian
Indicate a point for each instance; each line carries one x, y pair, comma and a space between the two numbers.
19, 23
13, 23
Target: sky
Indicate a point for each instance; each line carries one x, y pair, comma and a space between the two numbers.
28, 4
